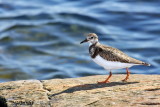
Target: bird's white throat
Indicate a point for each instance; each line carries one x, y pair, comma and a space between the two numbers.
92, 43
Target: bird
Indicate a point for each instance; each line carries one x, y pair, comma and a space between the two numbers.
110, 58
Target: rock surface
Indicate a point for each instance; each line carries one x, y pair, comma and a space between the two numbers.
140, 90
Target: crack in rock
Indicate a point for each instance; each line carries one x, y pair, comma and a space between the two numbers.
48, 91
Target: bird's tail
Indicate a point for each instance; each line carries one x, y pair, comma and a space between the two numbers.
146, 64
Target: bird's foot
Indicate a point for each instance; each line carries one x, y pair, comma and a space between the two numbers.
103, 82
124, 80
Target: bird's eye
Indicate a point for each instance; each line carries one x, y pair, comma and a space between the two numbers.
91, 37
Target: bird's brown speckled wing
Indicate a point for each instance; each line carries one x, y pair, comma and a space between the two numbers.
113, 54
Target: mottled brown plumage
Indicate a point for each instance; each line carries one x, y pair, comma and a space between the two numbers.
112, 54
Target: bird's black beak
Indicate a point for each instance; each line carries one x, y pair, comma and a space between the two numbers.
84, 41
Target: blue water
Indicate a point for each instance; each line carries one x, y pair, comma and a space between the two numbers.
39, 39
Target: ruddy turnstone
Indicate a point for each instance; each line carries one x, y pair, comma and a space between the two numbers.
110, 58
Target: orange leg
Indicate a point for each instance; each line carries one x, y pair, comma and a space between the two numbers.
106, 81
127, 70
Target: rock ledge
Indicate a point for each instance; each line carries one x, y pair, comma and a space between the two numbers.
140, 90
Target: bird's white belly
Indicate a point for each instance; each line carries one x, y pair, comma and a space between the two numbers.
109, 65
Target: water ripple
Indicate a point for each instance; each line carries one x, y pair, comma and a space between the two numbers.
40, 39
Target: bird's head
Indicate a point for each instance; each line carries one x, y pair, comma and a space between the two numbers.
92, 38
